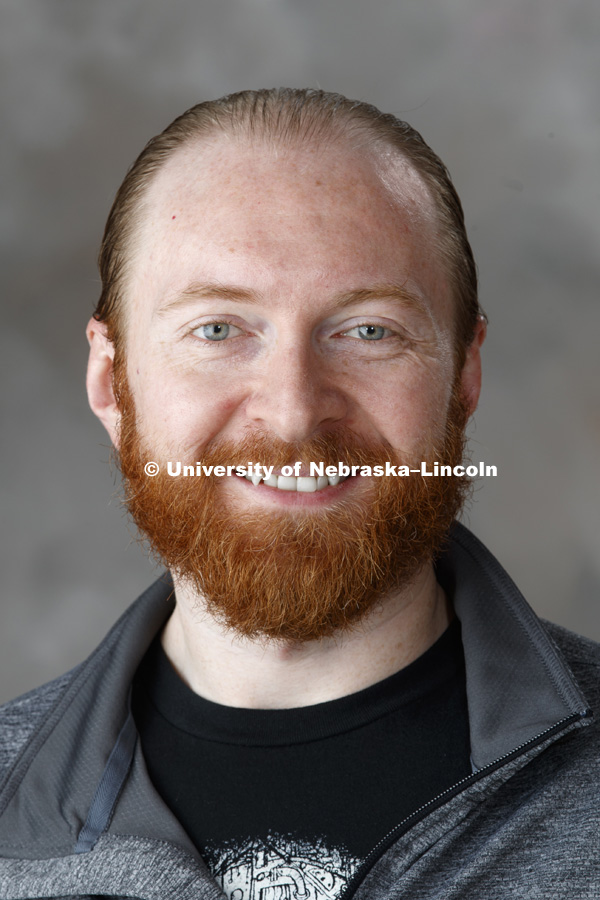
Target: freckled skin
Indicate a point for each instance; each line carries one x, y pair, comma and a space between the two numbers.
252, 219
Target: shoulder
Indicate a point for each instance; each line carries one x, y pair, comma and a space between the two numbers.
20, 718
583, 658
116, 657
580, 648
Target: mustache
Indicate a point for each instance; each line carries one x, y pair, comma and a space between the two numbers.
329, 448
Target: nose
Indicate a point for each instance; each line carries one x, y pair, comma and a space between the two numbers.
295, 396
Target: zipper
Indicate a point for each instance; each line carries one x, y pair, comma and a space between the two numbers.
385, 843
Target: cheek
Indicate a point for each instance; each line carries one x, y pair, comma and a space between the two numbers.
178, 415
411, 413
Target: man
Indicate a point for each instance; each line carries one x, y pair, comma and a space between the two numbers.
337, 692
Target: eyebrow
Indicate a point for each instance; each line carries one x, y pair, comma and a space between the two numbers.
201, 290
397, 292
235, 294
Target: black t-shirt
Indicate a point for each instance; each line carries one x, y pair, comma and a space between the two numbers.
288, 802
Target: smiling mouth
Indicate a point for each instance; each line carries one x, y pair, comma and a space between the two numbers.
303, 484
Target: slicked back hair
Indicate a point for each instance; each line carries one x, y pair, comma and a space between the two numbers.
288, 116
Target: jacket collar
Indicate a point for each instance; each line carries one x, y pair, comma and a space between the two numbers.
518, 686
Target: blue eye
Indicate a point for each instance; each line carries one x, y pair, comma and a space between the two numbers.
371, 332
368, 332
214, 331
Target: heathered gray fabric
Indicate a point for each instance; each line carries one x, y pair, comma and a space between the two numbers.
21, 717
527, 825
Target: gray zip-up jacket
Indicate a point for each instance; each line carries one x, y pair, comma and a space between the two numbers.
79, 816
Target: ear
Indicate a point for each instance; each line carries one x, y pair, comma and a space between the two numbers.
99, 378
471, 373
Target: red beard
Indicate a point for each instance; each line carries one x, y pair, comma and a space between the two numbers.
295, 575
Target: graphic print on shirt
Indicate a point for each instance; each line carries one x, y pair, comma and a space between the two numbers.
280, 868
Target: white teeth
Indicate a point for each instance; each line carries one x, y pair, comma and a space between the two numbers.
304, 484
286, 484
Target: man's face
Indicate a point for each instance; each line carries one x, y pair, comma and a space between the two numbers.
283, 303
300, 260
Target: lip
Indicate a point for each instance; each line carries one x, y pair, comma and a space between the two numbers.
274, 497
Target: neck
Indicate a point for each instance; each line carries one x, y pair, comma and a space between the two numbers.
235, 671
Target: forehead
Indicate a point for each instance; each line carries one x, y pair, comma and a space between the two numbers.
286, 219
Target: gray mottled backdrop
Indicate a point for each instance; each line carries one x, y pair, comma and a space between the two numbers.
506, 92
